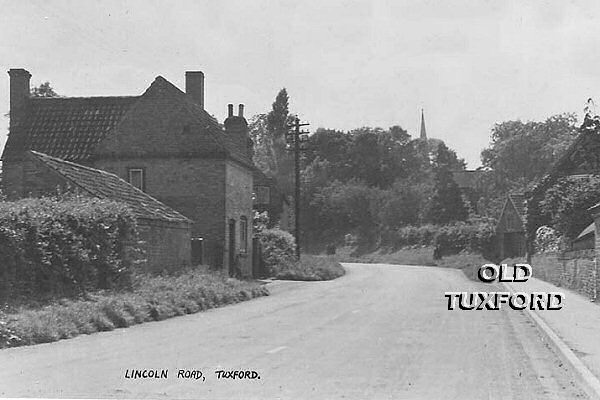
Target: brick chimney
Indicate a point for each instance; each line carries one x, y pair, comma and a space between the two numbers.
236, 127
19, 87
194, 86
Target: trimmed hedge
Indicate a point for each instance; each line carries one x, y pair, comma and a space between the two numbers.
64, 247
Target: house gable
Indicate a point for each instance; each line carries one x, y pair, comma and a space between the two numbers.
165, 123
512, 217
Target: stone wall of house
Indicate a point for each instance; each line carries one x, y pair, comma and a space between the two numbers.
193, 186
166, 245
238, 205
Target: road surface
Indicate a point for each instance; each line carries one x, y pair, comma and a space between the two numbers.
380, 332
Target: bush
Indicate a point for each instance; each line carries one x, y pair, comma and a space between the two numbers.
311, 268
547, 240
475, 237
63, 247
278, 248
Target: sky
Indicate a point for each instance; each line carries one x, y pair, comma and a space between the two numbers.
345, 64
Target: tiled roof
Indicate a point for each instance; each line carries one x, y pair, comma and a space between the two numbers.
68, 128
518, 201
104, 185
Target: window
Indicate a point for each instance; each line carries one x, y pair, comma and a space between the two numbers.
263, 195
136, 178
243, 234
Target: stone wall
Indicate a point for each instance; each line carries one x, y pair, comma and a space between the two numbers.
575, 270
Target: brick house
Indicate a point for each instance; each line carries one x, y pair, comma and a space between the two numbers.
162, 142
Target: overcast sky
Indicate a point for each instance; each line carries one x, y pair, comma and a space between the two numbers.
345, 64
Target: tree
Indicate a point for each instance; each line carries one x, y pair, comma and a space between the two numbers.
521, 153
268, 131
447, 204
44, 90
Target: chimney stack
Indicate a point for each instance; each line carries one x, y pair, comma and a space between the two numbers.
230, 110
194, 86
241, 111
19, 87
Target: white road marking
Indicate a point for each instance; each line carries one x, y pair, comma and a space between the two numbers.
355, 311
276, 349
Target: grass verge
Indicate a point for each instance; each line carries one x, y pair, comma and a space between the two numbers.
151, 299
468, 263
407, 256
311, 268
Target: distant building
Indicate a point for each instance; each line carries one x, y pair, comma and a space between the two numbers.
162, 142
510, 230
269, 198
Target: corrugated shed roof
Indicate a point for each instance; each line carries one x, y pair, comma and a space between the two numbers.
104, 185
65, 127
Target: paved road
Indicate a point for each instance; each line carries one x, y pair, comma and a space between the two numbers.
380, 332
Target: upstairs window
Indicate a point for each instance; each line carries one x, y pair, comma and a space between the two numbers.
243, 234
136, 178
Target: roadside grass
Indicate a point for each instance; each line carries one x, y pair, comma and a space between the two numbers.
153, 298
310, 268
422, 255
468, 263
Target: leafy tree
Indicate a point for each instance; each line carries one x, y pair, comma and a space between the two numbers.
44, 90
521, 153
447, 204
565, 205
268, 131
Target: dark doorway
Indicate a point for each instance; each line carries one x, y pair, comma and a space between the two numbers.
231, 247
197, 251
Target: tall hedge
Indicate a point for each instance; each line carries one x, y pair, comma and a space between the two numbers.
57, 247
474, 236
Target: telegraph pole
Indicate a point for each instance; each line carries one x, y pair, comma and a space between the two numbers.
297, 138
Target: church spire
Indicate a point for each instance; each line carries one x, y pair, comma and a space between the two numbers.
423, 132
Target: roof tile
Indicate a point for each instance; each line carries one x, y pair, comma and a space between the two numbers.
105, 185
